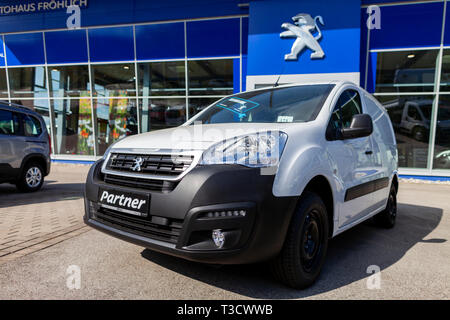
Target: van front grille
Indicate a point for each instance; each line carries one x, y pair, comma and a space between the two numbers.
152, 164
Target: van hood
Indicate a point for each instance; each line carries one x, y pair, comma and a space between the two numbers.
199, 137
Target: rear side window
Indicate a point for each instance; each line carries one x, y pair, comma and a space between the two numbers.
31, 126
9, 123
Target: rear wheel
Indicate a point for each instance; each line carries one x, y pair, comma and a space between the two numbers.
300, 261
31, 179
419, 134
387, 217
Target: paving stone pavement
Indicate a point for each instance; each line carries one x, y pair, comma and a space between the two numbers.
33, 221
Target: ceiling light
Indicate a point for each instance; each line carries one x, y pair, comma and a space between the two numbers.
410, 56
126, 67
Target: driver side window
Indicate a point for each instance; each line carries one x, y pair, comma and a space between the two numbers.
348, 104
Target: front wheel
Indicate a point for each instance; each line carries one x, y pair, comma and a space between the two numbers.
31, 179
300, 261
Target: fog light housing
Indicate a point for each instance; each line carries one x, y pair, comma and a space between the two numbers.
218, 237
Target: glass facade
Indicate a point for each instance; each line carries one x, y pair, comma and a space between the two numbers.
162, 78
116, 118
29, 82
406, 71
73, 130
3, 84
441, 157
113, 80
96, 85
69, 81
410, 77
210, 77
157, 113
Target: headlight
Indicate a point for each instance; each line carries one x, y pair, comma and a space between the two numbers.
108, 150
262, 149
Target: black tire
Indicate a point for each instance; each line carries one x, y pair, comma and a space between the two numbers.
26, 183
386, 218
300, 261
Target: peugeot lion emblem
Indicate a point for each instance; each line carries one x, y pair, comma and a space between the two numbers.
303, 27
137, 164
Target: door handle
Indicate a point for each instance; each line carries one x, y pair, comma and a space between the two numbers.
368, 152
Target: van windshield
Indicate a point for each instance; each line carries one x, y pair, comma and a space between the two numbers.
288, 104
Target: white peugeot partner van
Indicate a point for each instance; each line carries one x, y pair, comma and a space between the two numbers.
269, 174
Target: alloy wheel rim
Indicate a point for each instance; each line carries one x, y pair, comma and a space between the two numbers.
33, 177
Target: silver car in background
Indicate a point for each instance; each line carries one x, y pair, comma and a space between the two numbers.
24, 147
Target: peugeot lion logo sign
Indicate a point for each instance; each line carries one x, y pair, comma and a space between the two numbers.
137, 164
303, 27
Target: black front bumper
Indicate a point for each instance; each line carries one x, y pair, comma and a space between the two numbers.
178, 223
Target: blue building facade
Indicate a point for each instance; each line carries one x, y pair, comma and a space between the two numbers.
137, 66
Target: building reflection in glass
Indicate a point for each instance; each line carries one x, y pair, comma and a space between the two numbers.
161, 113
116, 119
73, 126
442, 141
411, 118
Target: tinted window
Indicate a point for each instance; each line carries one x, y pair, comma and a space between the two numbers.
406, 71
442, 142
28, 82
210, 77
31, 126
412, 136
114, 80
158, 114
292, 104
9, 123
69, 81
347, 106
3, 85
162, 78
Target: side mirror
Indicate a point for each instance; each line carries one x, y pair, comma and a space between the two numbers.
361, 126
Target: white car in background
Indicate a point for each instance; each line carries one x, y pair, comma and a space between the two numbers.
269, 174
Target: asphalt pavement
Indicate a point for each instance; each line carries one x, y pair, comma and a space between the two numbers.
413, 259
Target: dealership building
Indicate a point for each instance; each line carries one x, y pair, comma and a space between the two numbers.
124, 67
